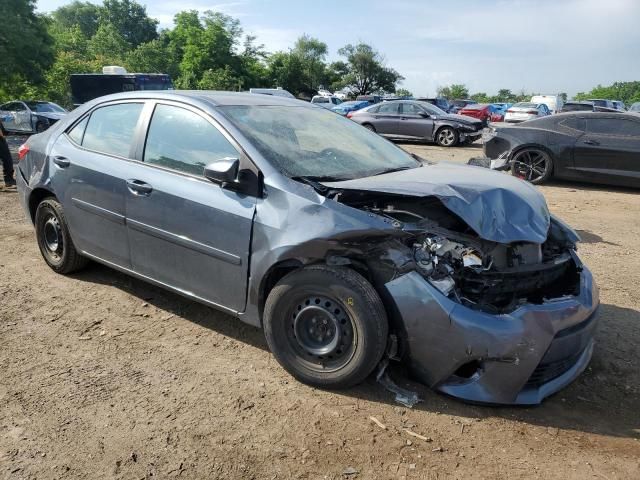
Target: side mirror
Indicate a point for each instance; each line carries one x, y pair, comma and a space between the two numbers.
223, 171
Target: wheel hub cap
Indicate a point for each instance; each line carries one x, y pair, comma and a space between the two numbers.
317, 330
52, 234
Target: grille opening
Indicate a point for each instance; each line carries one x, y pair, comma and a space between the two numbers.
468, 370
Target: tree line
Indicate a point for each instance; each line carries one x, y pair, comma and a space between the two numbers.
628, 92
38, 52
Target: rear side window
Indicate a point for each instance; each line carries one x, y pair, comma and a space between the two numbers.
613, 126
110, 129
184, 141
388, 108
77, 132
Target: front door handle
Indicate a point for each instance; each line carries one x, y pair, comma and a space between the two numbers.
62, 162
592, 142
138, 187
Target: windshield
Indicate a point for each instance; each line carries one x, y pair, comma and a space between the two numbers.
316, 143
45, 107
432, 109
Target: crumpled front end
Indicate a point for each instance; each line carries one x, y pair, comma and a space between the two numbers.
519, 357
502, 320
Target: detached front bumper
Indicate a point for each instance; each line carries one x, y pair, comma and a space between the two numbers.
516, 358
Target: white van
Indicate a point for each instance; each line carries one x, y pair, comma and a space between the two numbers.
554, 102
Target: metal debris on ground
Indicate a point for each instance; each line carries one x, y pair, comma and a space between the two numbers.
403, 396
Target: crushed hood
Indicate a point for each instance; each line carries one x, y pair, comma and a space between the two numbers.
496, 206
459, 118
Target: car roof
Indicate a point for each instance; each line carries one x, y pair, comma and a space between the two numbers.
212, 97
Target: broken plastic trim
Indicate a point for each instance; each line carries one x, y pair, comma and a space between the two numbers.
403, 396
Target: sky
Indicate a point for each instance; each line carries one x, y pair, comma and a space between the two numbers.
541, 46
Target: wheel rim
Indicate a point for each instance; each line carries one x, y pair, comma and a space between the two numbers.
446, 136
322, 333
52, 238
531, 165
370, 127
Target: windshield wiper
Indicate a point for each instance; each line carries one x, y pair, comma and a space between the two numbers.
391, 170
314, 181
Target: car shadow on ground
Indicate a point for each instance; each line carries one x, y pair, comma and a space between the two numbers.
603, 400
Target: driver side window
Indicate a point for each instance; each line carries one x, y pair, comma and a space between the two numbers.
411, 109
182, 140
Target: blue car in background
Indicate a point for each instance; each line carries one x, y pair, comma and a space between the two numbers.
346, 107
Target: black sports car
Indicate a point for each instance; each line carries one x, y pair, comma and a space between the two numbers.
586, 146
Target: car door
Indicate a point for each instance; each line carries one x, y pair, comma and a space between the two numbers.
413, 122
186, 232
22, 116
89, 165
386, 118
13, 116
610, 148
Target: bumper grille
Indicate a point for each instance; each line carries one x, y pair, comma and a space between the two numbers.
546, 372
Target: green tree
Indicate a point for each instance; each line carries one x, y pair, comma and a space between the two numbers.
151, 57
221, 79
312, 54
108, 46
130, 19
366, 72
628, 92
454, 91
285, 70
25, 44
403, 92
480, 97
82, 14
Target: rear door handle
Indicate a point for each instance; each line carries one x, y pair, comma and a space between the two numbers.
62, 162
138, 187
592, 142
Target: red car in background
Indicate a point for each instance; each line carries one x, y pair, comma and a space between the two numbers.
481, 111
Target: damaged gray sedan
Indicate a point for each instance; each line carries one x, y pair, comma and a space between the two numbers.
345, 249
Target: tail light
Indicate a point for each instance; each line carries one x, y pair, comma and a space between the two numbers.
22, 151
511, 111
349, 114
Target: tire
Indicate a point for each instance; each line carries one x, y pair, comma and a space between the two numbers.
54, 240
532, 164
447, 137
326, 326
370, 127
40, 127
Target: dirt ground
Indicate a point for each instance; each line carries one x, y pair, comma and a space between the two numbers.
104, 376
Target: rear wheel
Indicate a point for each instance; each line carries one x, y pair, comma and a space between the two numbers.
54, 240
368, 126
326, 326
533, 165
447, 137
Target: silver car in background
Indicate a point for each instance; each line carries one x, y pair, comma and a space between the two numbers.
30, 116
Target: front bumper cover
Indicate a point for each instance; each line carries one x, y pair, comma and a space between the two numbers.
517, 358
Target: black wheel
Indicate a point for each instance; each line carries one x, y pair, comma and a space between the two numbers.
54, 240
40, 127
368, 126
533, 165
326, 326
447, 137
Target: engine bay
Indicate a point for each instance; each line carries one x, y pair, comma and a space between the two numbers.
475, 272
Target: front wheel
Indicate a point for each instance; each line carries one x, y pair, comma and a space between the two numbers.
54, 240
533, 165
326, 326
447, 137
